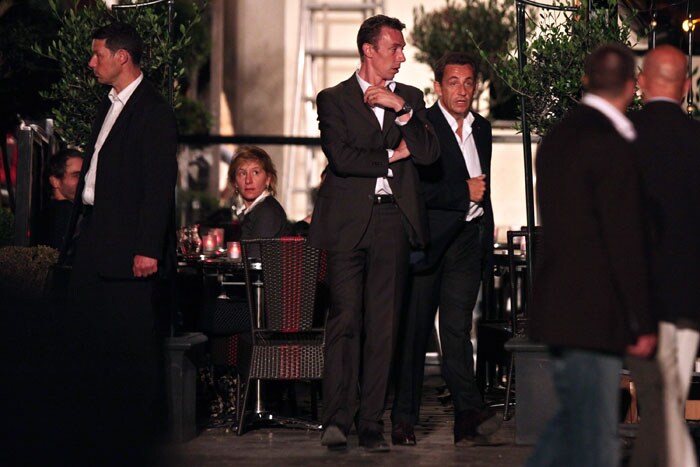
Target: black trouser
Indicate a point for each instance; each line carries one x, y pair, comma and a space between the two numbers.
453, 286
114, 376
366, 285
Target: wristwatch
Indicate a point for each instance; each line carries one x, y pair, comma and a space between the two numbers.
404, 110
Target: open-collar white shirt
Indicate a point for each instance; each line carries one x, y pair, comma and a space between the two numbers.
622, 124
118, 102
471, 155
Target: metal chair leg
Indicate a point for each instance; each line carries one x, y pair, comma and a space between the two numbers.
241, 417
509, 384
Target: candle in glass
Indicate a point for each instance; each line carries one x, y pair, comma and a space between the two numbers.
234, 250
219, 234
209, 243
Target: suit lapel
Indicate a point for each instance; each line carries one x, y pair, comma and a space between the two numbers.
448, 141
355, 100
125, 114
480, 143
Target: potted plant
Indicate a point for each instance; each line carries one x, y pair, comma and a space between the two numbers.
554, 56
23, 272
77, 94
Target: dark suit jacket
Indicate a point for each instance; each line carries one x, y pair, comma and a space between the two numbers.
134, 210
591, 283
265, 220
446, 190
669, 160
355, 146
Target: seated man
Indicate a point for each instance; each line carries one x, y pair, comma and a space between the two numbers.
63, 172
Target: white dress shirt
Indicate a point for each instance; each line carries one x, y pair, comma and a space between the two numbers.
622, 124
382, 186
471, 155
118, 102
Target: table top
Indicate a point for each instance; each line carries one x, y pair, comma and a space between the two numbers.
217, 262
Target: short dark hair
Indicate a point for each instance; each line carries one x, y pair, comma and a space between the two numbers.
371, 27
57, 162
608, 68
453, 58
256, 154
120, 35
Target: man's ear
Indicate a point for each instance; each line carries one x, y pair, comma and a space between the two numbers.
437, 88
123, 56
54, 181
368, 49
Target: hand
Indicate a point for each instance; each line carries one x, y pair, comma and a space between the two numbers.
144, 266
400, 152
477, 188
644, 347
383, 97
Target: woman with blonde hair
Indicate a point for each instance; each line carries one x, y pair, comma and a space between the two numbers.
254, 178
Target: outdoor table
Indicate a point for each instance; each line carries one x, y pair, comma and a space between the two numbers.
231, 273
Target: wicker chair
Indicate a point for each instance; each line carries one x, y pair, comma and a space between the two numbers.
288, 334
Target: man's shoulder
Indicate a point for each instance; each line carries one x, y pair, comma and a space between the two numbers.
341, 87
407, 89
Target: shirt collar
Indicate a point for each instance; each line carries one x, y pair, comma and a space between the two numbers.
391, 84
663, 99
243, 210
622, 124
125, 93
468, 120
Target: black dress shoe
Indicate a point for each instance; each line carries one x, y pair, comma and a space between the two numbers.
373, 441
334, 438
402, 434
472, 427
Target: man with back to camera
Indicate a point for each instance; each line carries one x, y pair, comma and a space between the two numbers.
668, 159
126, 237
64, 173
368, 212
460, 221
591, 284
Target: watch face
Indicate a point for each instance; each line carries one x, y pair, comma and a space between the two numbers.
404, 110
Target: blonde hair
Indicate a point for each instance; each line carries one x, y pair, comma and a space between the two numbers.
254, 154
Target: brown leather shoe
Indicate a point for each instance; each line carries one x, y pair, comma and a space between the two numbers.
402, 434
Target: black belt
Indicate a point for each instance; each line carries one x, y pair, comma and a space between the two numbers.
384, 199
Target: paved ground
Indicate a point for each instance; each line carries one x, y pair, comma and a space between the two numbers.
298, 447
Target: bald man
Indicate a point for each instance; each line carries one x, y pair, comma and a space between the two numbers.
669, 161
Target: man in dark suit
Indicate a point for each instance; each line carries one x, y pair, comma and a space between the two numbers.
460, 221
126, 237
591, 287
668, 159
369, 210
64, 173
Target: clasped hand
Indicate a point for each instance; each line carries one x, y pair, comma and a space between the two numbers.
383, 97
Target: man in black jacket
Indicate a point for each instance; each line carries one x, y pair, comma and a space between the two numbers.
460, 222
591, 285
669, 160
126, 238
369, 210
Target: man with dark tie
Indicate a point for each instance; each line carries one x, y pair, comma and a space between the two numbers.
460, 220
368, 214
